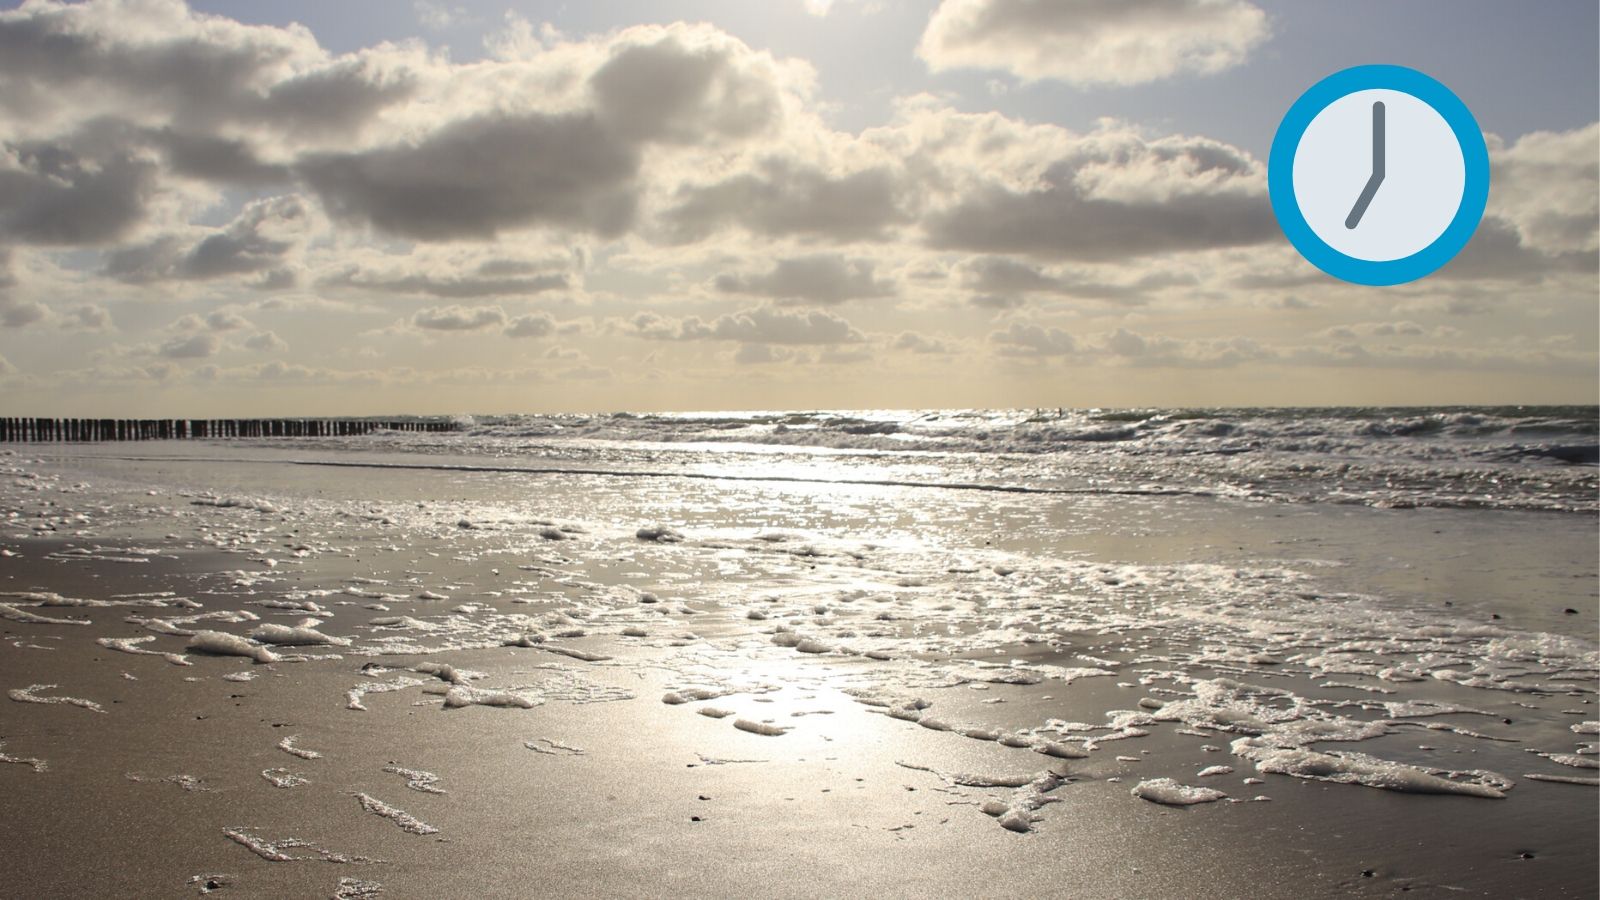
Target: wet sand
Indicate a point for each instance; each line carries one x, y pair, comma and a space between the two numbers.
601, 787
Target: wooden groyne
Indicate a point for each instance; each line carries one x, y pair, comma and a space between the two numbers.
19, 430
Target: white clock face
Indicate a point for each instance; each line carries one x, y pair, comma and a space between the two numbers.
1378, 175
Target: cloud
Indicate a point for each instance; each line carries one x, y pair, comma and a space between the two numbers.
1540, 221
87, 317
210, 157
825, 279
490, 278
1030, 339
459, 318
789, 198
685, 84
912, 342
16, 313
195, 346
266, 342
160, 58
225, 320
764, 325
260, 239
51, 195
1132, 348
1093, 42
1000, 279
532, 325
219, 320
6, 368
1547, 185
477, 177
998, 302
1112, 195
1373, 329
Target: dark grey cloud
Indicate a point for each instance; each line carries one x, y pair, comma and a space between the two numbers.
494, 278
788, 199
459, 318
87, 317
532, 325
1002, 282
826, 279
1062, 220
996, 301
1093, 42
1497, 252
474, 178
56, 197
266, 342
259, 239
15, 313
1031, 339
201, 74
193, 346
912, 342
1134, 349
764, 325
209, 157
225, 320
334, 99
682, 88
1300, 276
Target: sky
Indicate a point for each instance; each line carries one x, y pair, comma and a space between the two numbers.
379, 206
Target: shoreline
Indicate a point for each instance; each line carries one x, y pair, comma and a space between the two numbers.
619, 818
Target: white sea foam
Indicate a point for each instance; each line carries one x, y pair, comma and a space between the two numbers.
38, 765
1171, 793
188, 782
221, 643
1564, 779
354, 696
130, 645
762, 728
575, 653
659, 533
1358, 768
13, 612
283, 778
417, 780
464, 695
250, 503
446, 672
552, 748
402, 819
277, 850
288, 746
30, 694
357, 889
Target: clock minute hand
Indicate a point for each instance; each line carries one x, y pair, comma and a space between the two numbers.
1367, 193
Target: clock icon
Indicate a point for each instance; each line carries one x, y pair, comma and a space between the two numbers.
1378, 175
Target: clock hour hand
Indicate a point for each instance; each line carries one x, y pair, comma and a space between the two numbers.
1367, 193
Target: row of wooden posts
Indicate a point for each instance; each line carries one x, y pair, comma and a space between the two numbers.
16, 430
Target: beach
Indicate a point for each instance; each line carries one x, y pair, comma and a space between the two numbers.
1111, 654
